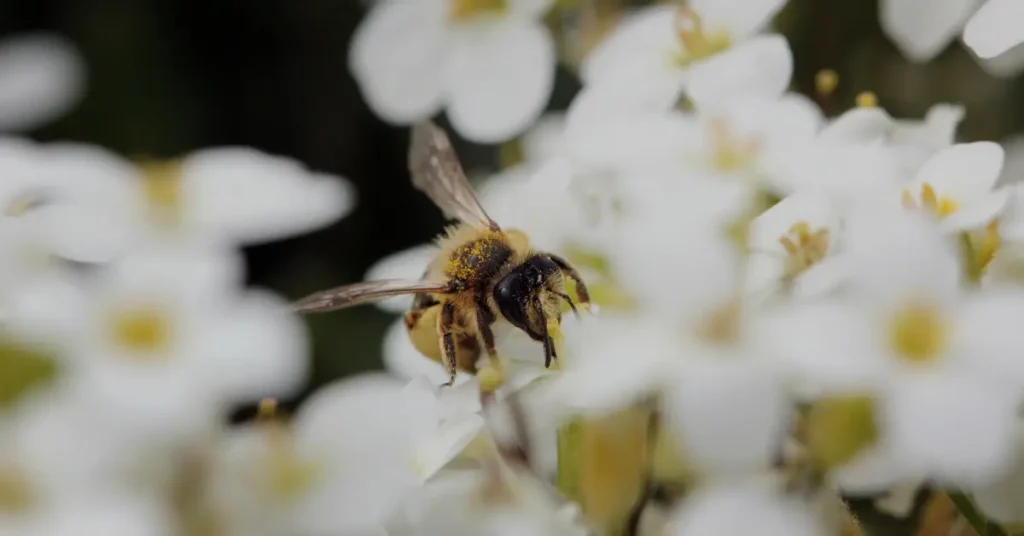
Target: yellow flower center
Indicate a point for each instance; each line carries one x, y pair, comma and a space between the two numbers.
162, 184
15, 491
722, 325
695, 41
462, 10
287, 475
804, 247
730, 153
940, 206
141, 331
918, 333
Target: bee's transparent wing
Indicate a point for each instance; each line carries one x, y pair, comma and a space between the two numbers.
436, 171
363, 292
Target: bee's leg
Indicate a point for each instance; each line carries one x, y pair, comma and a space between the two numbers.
581, 287
446, 329
484, 318
549, 344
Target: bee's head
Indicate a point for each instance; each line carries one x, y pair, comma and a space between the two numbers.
520, 294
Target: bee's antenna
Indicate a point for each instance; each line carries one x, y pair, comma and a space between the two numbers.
568, 300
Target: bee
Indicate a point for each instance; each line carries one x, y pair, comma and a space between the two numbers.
482, 273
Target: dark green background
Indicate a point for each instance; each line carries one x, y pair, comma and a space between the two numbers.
170, 76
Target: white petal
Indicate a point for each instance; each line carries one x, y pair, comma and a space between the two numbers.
250, 197
407, 264
1003, 500
546, 140
873, 470
41, 77
120, 514
712, 511
500, 80
729, 416
761, 66
451, 439
995, 28
740, 18
262, 350
953, 429
964, 171
829, 345
859, 125
923, 28
398, 55
1006, 65
990, 341
980, 211
644, 36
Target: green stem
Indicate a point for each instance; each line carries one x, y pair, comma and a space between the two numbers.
972, 268
972, 515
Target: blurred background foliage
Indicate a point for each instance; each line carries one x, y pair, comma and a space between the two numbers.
170, 76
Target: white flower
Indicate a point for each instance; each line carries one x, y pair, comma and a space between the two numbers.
41, 77
956, 186
995, 28
794, 247
1003, 500
711, 49
712, 510
938, 362
922, 29
489, 63
165, 338
494, 501
236, 195
353, 451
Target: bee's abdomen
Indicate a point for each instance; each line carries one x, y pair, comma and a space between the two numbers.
477, 260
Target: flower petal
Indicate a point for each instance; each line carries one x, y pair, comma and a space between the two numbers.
963, 171
645, 36
41, 77
728, 415
741, 18
499, 81
978, 213
712, 510
995, 28
760, 66
397, 55
923, 28
954, 429
247, 196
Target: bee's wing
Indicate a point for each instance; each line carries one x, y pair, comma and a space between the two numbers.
436, 171
363, 292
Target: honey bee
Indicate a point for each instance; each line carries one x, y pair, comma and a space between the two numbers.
481, 272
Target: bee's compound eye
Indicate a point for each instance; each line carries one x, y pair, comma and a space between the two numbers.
510, 295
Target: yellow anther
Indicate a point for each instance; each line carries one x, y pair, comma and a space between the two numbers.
826, 81
696, 42
918, 333
162, 184
867, 99
938, 205
804, 247
460, 10
267, 409
989, 246
140, 330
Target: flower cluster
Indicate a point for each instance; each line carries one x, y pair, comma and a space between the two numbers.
791, 308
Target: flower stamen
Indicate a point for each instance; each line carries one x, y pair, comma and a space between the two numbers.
918, 333
804, 247
696, 42
939, 205
162, 185
462, 10
730, 153
141, 331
